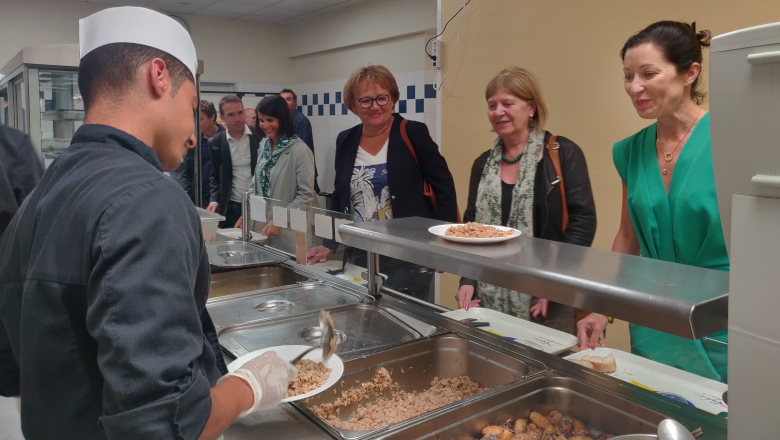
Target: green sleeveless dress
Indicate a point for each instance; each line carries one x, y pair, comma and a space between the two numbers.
683, 227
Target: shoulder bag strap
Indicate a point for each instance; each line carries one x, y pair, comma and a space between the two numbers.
554, 149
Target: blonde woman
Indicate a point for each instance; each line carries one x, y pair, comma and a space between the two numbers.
515, 183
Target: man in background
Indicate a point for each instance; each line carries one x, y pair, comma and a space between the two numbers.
302, 126
251, 116
208, 129
233, 161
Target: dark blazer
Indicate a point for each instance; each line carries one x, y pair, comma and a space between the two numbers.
222, 167
405, 178
548, 211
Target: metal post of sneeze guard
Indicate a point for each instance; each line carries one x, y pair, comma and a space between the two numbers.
374, 282
246, 224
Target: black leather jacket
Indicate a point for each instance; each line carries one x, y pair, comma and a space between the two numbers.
548, 210
548, 205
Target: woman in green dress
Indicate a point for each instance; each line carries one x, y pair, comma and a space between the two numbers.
670, 209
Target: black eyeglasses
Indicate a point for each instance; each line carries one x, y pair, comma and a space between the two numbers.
381, 101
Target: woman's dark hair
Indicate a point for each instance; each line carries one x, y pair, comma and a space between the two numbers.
276, 107
680, 43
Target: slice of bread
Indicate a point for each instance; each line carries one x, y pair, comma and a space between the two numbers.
602, 364
585, 364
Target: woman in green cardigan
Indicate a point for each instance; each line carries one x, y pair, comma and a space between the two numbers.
670, 209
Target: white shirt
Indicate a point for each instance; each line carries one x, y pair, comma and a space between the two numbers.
369, 186
241, 157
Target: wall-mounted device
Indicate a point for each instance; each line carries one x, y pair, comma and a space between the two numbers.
435, 51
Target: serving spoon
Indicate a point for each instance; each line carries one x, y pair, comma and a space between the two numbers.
327, 332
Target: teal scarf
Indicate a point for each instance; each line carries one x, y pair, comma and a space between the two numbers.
268, 159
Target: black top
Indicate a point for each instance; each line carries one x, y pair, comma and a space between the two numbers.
103, 278
20, 171
506, 201
221, 180
404, 177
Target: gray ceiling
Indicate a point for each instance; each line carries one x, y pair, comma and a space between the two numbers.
261, 11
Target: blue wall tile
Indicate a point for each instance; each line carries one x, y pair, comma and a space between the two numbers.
305, 99
333, 109
344, 110
314, 99
338, 97
430, 92
409, 92
419, 106
326, 98
310, 110
402, 106
320, 110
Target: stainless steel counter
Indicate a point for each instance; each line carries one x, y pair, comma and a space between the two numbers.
288, 421
681, 300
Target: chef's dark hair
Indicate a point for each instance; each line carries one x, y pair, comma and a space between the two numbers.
680, 43
110, 70
276, 107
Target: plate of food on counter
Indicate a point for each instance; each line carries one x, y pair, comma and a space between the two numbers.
473, 232
314, 374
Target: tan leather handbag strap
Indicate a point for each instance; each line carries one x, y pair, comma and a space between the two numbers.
554, 149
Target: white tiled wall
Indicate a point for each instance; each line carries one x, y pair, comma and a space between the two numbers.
417, 102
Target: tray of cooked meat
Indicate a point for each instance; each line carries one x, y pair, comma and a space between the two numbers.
398, 387
547, 407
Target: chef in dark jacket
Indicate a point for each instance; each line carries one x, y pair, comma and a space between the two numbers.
103, 271
20, 171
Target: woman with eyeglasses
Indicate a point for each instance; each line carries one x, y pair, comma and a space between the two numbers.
377, 175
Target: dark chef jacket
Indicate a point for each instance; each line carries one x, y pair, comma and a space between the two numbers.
103, 277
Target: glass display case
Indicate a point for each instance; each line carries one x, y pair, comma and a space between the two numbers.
40, 96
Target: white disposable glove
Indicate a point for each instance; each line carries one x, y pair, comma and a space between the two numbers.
268, 375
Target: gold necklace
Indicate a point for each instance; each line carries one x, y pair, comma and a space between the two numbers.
669, 156
383, 130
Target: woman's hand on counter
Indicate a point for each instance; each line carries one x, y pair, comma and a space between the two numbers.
589, 330
239, 223
270, 230
464, 297
540, 308
316, 254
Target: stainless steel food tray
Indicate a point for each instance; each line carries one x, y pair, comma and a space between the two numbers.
601, 411
245, 307
415, 365
359, 328
253, 279
239, 254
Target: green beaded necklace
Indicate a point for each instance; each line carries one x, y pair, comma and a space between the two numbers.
515, 160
